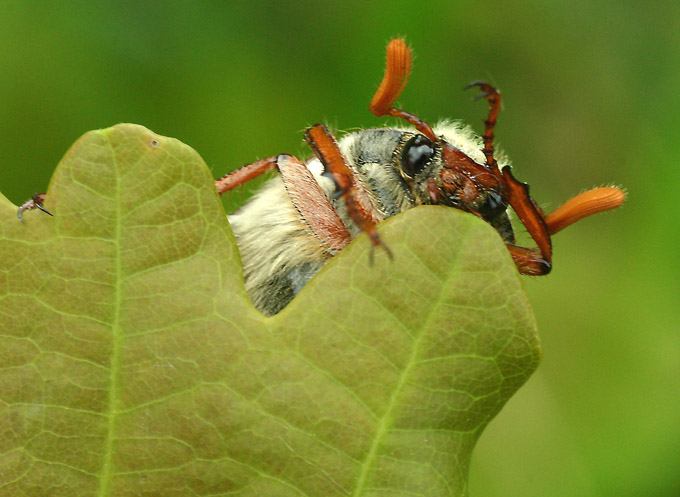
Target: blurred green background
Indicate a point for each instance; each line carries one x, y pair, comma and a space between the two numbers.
590, 98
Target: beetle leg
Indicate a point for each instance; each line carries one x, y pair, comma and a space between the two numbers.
531, 216
537, 262
529, 261
245, 174
493, 96
35, 203
305, 193
359, 205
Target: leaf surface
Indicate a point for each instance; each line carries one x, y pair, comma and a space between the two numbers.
133, 364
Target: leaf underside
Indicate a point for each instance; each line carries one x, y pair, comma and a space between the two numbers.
132, 362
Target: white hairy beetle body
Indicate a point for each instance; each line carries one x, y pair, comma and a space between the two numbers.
280, 253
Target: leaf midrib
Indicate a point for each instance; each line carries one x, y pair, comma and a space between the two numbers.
385, 420
114, 388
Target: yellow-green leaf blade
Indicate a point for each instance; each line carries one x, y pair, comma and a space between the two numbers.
132, 363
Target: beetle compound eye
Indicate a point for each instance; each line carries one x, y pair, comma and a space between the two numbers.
492, 206
417, 153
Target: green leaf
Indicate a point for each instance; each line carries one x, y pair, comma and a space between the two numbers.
132, 362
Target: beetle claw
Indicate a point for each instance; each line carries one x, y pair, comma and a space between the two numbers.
487, 89
35, 203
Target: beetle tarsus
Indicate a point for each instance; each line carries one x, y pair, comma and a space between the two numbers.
377, 242
493, 96
36, 202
